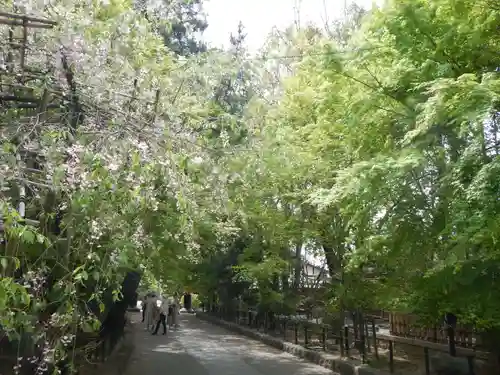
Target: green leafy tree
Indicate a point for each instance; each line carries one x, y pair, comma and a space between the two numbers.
179, 22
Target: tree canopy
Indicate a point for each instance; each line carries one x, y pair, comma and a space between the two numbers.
372, 142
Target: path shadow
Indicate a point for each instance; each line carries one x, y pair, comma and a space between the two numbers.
156, 355
232, 349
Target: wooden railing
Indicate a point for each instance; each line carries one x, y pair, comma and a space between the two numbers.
407, 325
398, 354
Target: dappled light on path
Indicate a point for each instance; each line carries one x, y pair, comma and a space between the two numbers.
199, 348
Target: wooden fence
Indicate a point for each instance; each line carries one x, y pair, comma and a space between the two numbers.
397, 354
406, 325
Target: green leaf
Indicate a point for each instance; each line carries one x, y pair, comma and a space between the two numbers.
40, 238
27, 236
87, 327
25, 298
96, 324
81, 276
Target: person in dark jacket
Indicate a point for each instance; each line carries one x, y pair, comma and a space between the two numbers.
160, 317
144, 303
170, 315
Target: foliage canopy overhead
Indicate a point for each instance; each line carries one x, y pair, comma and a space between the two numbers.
211, 169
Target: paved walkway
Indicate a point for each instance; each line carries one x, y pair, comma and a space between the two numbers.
200, 348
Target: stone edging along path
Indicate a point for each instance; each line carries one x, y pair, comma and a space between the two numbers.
327, 360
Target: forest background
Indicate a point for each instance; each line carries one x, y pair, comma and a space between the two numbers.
371, 141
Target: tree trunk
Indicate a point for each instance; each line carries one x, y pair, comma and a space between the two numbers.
297, 273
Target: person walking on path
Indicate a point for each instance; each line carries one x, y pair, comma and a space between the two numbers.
161, 317
150, 303
170, 315
143, 305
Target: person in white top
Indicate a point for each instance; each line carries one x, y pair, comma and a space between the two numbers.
150, 303
162, 316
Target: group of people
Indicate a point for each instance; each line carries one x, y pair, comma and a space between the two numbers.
156, 312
